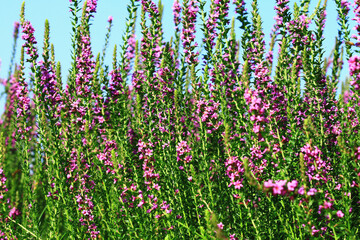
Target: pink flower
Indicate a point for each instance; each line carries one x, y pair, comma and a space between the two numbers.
311, 192
340, 214
14, 212
279, 186
149, 152
238, 184
141, 203
110, 19
268, 184
327, 204
220, 225
314, 230
301, 191
232, 237
292, 185
256, 129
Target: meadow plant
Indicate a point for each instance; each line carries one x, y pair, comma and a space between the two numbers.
222, 138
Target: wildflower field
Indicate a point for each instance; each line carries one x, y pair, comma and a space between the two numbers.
228, 137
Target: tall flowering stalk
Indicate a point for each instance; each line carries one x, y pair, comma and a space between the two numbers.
190, 10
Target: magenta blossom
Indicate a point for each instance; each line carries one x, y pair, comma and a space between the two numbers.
340, 214
220, 225
292, 185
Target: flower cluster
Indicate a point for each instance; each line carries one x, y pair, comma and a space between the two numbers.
23, 99
181, 149
235, 171
257, 109
282, 13
3, 188
91, 6
85, 66
30, 42
297, 29
357, 20
354, 67
86, 207
346, 6
116, 82
130, 51
317, 168
190, 10
208, 114
283, 187
145, 151
50, 92
177, 11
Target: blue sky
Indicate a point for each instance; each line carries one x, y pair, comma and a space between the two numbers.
57, 13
